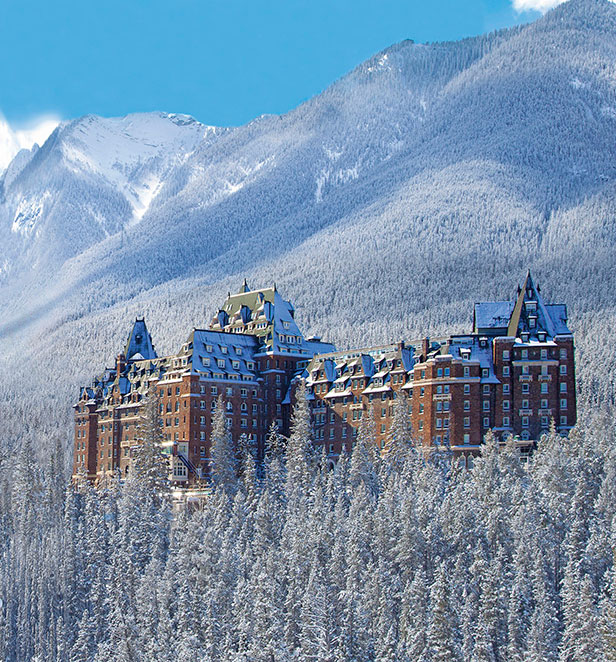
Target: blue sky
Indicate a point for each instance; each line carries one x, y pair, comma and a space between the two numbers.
222, 61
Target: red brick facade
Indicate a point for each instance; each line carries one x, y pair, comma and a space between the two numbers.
514, 375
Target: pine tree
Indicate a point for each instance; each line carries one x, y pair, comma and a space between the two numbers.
149, 465
299, 457
223, 469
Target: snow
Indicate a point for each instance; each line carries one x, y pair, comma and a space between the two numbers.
133, 153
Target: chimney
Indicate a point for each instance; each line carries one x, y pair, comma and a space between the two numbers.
120, 364
425, 347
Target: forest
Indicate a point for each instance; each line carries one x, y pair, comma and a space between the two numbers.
394, 556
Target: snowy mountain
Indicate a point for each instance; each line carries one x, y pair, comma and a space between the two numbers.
429, 177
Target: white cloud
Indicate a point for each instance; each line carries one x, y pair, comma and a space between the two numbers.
535, 5
12, 139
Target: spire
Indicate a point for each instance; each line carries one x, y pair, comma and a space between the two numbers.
514, 320
530, 311
244, 287
139, 344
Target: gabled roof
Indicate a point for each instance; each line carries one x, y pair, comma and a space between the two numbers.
139, 344
528, 313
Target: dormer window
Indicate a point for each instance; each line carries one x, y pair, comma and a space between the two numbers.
541, 337
223, 349
525, 337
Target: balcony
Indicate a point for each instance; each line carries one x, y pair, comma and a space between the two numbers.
526, 412
357, 405
544, 412
526, 378
442, 396
545, 378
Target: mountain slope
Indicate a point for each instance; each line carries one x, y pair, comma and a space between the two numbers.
427, 178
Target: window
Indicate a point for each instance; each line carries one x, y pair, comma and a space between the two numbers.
439, 372
505, 421
505, 389
421, 407
486, 388
439, 423
439, 390
563, 404
235, 364
420, 425
525, 404
223, 349
544, 388
467, 405
214, 390
422, 390
563, 387
486, 422
544, 404
563, 353
563, 420
525, 421
467, 422
177, 390
445, 406
524, 353
544, 421
506, 405
544, 353
383, 428
467, 389
525, 388
229, 391
467, 371
383, 412
505, 355
221, 363
486, 405
485, 372
447, 372
467, 438
506, 371
563, 369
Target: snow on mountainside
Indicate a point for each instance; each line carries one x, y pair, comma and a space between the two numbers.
429, 177
93, 178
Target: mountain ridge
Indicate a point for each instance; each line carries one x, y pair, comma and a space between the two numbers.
430, 176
